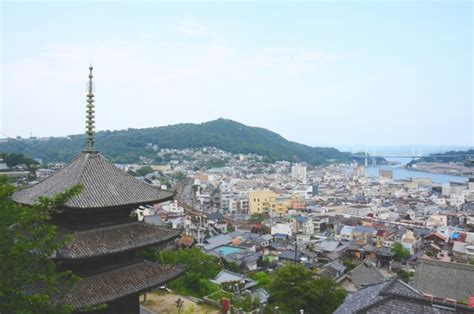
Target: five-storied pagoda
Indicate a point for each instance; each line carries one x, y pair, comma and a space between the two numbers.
105, 237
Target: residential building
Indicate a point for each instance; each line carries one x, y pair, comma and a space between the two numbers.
259, 201
298, 172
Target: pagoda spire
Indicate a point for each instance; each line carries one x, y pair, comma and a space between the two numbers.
90, 122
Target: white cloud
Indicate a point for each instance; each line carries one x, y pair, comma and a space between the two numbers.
138, 79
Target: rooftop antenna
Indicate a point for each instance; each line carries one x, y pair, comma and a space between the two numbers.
90, 123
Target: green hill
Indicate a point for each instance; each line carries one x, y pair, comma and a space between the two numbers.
464, 157
126, 146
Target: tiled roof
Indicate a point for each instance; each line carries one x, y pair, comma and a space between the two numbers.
391, 296
457, 279
366, 274
118, 283
216, 241
104, 185
289, 255
114, 239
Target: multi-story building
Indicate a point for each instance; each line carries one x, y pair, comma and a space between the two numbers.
298, 172
259, 201
302, 224
386, 173
359, 171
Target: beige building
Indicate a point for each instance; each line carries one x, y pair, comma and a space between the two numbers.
359, 171
161, 167
260, 201
386, 173
280, 206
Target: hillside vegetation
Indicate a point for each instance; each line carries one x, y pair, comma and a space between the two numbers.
464, 157
126, 146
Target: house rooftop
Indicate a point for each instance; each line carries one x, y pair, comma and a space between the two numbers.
366, 273
394, 296
457, 279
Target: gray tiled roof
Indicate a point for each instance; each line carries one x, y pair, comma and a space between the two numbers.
216, 241
118, 283
366, 274
401, 305
363, 299
444, 279
104, 185
114, 239
289, 255
228, 276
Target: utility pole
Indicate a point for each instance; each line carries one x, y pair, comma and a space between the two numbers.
296, 251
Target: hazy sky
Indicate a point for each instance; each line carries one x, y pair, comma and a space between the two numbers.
320, 73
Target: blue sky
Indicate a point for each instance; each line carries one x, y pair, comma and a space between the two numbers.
320, 73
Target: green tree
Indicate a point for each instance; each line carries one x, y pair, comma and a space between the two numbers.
179, 176
256, 218
200, 268
401, 253
404, 275
262, 278
293, 288
13, 160
133, 173
350, 265
29, 282
143, 171
232, 266
165, 181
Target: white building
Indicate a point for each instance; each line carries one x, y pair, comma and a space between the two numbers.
298, 172
172, 207
456, 200
143, 211
282, 229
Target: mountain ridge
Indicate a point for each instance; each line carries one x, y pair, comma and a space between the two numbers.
126, 146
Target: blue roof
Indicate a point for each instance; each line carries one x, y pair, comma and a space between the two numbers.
301, 218
364, 229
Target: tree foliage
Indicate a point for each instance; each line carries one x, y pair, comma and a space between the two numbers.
401, 253
232, 266
13, 160
199, 269
256, 218
29, 282
143, 171
293, 288
350, 265
262, 278
447, 157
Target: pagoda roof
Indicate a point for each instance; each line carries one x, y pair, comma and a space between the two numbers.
104, 185
118, 283
113, 239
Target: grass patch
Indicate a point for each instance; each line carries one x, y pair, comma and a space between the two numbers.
148, 302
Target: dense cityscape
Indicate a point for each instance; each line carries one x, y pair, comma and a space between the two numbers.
253, 216
237, 157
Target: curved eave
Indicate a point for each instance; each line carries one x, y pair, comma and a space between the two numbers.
128, 205
60, 258
119, 283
